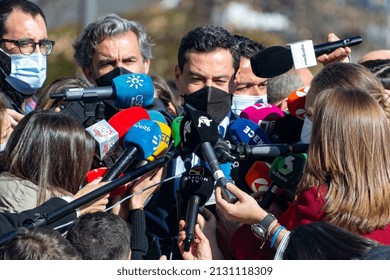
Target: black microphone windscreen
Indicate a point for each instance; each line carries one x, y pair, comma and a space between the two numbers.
287, 130
197, 181
271, 62
196, 128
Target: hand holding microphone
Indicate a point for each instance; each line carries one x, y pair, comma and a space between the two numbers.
342, 53
196, 187
142, 190
245, 211
201, 250
276, 60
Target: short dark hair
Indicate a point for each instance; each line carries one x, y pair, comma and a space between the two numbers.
208, 38
100, 236
8, 6
324, 241
38, 244
381, 69
248, 47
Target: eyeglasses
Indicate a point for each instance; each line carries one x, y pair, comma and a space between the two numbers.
28, 46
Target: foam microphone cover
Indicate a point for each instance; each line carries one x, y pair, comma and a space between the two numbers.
265, 115
157, 116
133, 90
286, 171
100, 172
287, 130
246, 131
164, 143
271, 62
197, 181
144, 135
175, 126
296, 102
125, 119
257, 176
196, 128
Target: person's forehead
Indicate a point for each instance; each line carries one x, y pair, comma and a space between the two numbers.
125, 43
246, 75
22, 25
219, 59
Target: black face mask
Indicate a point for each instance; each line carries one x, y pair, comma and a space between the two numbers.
106, 79
215, 102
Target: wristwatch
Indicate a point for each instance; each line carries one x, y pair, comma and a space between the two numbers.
260, 230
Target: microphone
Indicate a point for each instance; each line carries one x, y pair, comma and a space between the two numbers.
222, 151
296, 102
329, 47
176, 131
287, 130
164, 143
285, 172
100, 172
246, 131
140, 142
257, 178
43, 219
277, 60
246, 151
196, 187
127, 90
125, 162
107, 142
199, 132
265, 115
165, 133
125, 119
157, 116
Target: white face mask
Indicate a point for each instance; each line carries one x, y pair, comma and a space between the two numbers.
306, 131
28, 73
241, 102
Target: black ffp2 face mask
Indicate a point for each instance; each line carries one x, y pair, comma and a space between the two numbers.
214, 101
106, 79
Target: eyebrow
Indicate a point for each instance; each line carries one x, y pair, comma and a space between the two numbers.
191, 73
105, 60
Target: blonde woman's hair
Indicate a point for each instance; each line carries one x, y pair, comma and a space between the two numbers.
349, 154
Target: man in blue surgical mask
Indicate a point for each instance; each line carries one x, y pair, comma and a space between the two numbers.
250, 89
24, 47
